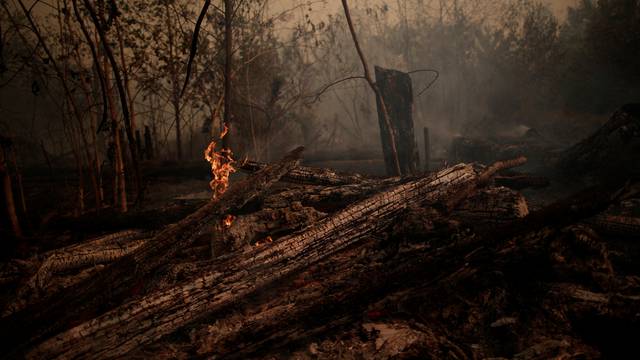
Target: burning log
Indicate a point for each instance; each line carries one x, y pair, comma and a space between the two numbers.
229, 281
117, 280
343, 284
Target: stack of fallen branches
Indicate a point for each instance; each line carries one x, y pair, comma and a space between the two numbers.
292, 262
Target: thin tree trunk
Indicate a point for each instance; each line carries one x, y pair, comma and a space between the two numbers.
119, 169
228, 41
23, 200
119, 179
123, 97
176, 109
8, 194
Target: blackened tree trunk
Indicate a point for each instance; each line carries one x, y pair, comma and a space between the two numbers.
396, 90
374, 87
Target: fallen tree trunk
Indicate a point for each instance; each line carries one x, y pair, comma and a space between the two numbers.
335, 291
104, 290
309, 175
612, 151
521, 181
141, 321
616, 225
101, 250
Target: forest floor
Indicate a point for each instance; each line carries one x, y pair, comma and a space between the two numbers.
461, 263
571, 293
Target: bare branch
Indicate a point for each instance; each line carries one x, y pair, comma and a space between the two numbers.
194, 44
328, 86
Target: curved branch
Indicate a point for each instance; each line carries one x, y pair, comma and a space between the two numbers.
330, 85
194, 44
436, 72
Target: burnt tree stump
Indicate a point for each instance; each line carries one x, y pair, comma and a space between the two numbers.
396, 90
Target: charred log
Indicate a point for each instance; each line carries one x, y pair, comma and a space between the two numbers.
310, 175
119, 279
123, 329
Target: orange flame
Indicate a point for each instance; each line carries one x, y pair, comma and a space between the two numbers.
267, 240
228, 220
221, 166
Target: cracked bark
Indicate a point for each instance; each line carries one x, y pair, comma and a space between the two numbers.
141, 321
119, 279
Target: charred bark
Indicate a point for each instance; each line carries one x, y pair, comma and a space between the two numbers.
119, 279
228, 282
396, 90
310, 175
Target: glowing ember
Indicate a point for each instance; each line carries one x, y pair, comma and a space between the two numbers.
221, 166
228, 220
267, 240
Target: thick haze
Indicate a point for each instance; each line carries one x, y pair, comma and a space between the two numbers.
505, 66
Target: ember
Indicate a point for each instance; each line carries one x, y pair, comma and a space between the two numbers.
228, 220
267, 240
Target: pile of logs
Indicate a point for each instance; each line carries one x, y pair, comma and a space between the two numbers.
448, 264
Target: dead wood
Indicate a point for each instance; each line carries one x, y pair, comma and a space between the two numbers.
329, 294
53, 314
310, 175
396, 89
492, 206
123, 329
521, 181
612, 151
616, 225
101, 250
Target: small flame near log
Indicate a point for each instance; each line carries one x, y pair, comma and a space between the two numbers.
228, 220
221, 165
265, 241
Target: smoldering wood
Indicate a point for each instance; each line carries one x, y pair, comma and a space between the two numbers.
347, 280
240, 276
112, 283
309, 175
396, 89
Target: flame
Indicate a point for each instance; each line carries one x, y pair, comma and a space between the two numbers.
228, 220
221, 165
267, 240
224, 131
